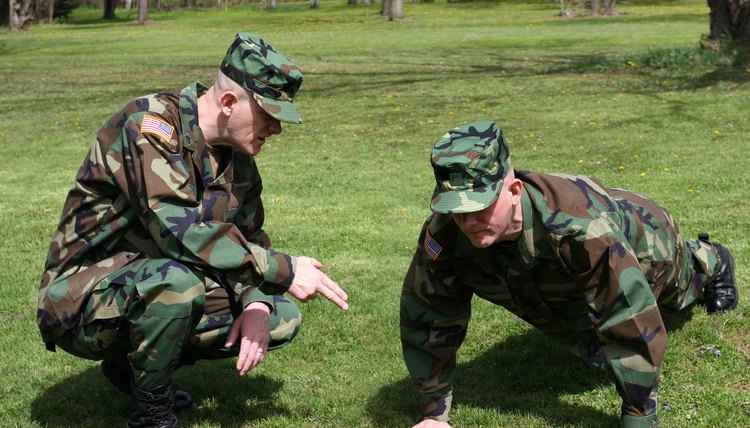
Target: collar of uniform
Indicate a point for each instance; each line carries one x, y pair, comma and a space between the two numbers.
191, 131
527, 250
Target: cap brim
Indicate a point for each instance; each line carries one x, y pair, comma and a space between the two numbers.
284, 111
462, 201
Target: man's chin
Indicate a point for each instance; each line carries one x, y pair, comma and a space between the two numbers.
483, 242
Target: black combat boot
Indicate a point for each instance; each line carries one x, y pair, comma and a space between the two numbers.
152, 409
721, 294
118, 372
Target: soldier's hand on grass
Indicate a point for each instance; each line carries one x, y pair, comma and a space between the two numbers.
253, 329
432, 423
309, 280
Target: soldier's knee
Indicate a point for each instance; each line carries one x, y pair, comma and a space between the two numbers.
170, 284
286, 321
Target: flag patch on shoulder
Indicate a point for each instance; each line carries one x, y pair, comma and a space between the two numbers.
431, 247
156, 126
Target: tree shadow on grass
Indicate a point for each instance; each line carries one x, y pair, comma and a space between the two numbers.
525, 374
86, 399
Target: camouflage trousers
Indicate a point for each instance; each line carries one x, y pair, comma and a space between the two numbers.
163, 314
697, 270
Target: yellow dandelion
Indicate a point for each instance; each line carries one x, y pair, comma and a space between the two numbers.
636, 155
666, 169
621, 167
690, 190
430, 121
643, 174
632, 64
277, 198
389, 96
403, 210
674, 155
716, 132
534, 148
580, 161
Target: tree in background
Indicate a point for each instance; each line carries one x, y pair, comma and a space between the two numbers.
109, 9
570, 8
143, 11
730, 21
393, 9
20, 14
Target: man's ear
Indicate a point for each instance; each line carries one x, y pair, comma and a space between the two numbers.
515, 187
227, 102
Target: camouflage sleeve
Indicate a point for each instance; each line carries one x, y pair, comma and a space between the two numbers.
435, 312
623, 310
159, 184
250, 214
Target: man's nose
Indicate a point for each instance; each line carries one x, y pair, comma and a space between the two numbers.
275, 126
469, 219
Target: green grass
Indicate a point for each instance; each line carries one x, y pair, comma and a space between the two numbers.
630, 99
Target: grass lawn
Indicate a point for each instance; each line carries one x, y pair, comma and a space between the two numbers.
631, 100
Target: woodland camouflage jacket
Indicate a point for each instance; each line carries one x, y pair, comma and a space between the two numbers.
582, 271
146, 189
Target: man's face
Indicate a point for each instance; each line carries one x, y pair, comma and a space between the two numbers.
249, 126
492, 224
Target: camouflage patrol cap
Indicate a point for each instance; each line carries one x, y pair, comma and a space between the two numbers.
271, 77
469, 163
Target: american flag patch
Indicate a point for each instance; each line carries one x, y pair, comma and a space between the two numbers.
156, 126
431, 246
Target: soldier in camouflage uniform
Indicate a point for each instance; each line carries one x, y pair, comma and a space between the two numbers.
160, 257
587, 265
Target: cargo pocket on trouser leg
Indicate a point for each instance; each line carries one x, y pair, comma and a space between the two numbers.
103, 330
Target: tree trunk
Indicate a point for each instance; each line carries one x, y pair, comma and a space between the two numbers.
595, 7
730, 18
385, 9
609, 8
351, 2
314, 4
19, 14
269, 5
397, 10
109, 9
143, 11
719, 18
50, 11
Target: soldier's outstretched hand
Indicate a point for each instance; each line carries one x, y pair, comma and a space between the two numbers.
309, 280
